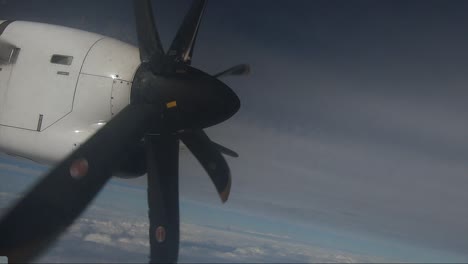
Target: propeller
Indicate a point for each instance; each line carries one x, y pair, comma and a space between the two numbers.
170, 101
226, 151
241, 69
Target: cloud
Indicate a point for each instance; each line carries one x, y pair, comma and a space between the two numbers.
100, 240
20, 169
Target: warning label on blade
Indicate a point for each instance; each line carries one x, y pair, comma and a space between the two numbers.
160, 234
3, 260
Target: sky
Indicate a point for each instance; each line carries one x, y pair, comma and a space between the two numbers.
352, 130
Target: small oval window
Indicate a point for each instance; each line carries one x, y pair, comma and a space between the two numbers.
61, 59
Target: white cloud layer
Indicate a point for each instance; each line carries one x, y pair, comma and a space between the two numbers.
125, 240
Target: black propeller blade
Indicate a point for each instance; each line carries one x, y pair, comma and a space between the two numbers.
182, 46
62, 195
241, 69
211, 159
150, 46
163, 197
225, 151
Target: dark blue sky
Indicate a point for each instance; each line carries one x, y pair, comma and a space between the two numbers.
354, 116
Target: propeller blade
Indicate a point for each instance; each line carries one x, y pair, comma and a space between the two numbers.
63, 194
162, 152
182, 46
241, 69
211, 159
150, 46
225, 151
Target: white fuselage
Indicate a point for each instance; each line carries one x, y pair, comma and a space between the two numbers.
58, 86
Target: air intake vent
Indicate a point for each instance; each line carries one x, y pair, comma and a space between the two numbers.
8, 53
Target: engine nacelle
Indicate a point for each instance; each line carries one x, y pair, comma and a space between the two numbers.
58, 86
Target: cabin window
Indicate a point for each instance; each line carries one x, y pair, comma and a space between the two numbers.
61, 59
8, 53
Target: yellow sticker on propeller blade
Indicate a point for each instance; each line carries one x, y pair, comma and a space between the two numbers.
171, 104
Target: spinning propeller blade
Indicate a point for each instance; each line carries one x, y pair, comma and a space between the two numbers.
150, 46
163, 197
225, 151
182, 46
211, 159
62, 194
241, 69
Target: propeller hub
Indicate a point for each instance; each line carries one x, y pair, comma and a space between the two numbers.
188, 98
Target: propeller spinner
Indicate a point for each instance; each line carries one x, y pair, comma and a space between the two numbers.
170, 101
